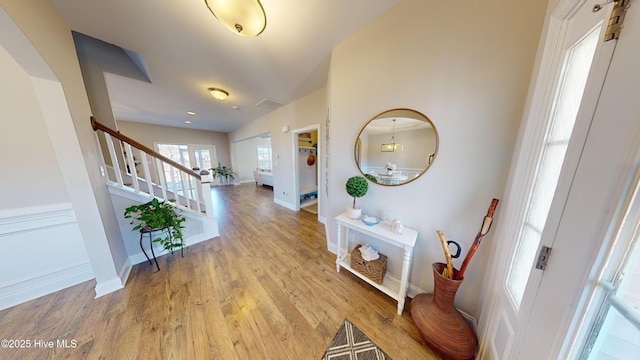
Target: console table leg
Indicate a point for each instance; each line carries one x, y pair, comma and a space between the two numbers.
339, 246
404, 280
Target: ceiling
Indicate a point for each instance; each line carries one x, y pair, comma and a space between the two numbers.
186, 50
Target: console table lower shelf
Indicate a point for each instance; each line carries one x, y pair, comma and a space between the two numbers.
390, 284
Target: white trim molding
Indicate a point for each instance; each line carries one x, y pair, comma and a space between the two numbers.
48, 252
36, 217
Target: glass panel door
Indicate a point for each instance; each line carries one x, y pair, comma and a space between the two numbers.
563, 116
613, 328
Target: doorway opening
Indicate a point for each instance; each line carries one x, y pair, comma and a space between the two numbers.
306, 149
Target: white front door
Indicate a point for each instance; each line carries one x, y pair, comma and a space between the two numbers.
572, 71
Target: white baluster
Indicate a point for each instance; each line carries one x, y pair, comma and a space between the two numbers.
172, 175
114, 159
147, 173
132, 167
163, 181
185, 188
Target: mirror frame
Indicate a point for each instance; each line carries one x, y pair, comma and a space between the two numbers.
419, 116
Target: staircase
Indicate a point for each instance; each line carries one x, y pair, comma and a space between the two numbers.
136, 174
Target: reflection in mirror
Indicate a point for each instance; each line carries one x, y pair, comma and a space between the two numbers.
396, 147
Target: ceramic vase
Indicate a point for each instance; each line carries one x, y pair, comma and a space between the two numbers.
355, 213
440, 324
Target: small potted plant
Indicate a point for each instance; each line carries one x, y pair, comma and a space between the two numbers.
389, 167
356, 187
224, 173
158, 215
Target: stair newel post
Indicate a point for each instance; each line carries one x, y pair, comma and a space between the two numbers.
205, 186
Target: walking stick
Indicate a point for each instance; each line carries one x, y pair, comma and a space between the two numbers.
486, 224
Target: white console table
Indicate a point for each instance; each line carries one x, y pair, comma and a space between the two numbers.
391, 285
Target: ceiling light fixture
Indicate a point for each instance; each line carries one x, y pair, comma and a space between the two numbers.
393, 146
218, 94
191, 113
242, 17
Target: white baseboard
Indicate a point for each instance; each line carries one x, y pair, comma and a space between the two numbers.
26, 290
108, 286
124, 272
285, 204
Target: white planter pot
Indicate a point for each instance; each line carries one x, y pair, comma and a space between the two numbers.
355, 213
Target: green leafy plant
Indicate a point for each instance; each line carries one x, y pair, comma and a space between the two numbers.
224, 173
159, 215
357, 186
371, 178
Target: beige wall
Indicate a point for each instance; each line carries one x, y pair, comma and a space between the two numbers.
149, 134
30, 170
466, 65
304, 112
68, 127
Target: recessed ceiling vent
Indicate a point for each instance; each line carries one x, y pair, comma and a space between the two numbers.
269, 104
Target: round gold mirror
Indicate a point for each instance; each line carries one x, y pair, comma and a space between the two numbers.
396, 147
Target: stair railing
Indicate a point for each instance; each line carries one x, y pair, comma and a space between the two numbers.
161, 177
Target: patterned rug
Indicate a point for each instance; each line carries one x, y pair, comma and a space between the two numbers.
350, 343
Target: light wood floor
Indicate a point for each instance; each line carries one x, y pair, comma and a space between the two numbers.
266, 289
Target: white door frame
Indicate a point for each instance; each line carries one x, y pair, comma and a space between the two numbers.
295, 177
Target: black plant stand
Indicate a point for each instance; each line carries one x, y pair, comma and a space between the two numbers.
150, 231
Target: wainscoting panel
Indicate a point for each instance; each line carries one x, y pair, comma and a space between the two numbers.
43, 252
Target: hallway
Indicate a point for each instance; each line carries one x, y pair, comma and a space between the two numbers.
266, 289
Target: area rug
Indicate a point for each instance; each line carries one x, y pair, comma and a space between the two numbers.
352, 344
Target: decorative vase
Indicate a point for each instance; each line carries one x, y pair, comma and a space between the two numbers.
355, 213
440, 324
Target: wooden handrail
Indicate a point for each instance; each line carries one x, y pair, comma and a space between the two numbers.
96, 125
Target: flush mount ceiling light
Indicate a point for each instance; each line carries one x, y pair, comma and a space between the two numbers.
243, 17
218, 94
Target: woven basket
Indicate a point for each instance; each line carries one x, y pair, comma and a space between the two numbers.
374, 270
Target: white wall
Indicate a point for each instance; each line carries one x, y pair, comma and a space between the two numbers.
466, 65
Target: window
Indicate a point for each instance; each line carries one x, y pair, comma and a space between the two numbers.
264, 157
190, 156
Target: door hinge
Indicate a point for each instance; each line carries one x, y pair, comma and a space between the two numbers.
617, 18
543, 257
